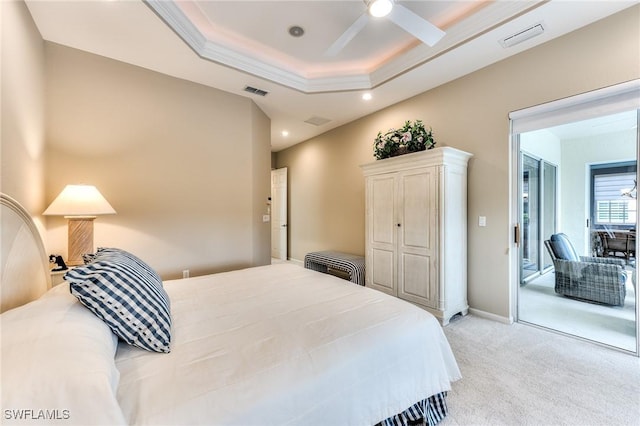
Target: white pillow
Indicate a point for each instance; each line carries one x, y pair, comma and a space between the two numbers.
58, 364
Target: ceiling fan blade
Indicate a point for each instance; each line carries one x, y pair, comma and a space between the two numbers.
346, 37
418, 27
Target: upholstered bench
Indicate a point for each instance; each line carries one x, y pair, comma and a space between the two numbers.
323, 261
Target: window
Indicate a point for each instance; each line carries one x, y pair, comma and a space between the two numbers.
613, 195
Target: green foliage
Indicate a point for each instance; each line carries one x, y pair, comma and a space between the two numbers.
412, 137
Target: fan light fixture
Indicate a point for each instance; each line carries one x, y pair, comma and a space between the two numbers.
404, 18
380, 8
631, 193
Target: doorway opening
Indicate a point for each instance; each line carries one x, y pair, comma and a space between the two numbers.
279, 246
575, 205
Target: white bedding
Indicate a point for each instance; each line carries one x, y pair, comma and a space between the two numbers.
57, 362
282, 345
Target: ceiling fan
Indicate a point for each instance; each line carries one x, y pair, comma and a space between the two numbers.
418, 27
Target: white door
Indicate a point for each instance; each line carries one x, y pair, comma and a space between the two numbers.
381, 240
418, 236
279, 214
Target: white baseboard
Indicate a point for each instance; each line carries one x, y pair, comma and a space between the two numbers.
296, 261
289, 260
490, 316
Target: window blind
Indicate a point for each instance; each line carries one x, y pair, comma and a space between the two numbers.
609, 100
609, 187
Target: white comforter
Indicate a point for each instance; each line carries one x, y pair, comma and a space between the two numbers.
282, 345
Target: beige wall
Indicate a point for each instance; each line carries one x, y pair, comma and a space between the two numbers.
577, 155
326, 203
185, 166
22, 102
261, 183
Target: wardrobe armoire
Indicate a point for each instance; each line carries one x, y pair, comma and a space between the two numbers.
416, 229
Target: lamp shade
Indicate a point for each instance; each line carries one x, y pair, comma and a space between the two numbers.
79, 200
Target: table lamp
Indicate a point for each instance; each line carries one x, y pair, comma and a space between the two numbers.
80, 204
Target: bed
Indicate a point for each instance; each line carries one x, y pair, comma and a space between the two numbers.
270, 345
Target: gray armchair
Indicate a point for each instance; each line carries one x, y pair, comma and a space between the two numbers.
595, 279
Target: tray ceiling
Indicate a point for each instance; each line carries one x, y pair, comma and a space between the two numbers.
230, 45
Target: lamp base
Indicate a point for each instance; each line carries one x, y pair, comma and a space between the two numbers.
80, 239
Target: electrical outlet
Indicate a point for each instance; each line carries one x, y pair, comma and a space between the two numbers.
266, 218
482, 221
185, 273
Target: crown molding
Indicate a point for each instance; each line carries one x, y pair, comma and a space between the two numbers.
489, 17
175, 18
178, 22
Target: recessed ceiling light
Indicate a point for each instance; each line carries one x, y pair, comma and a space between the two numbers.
285, 133
380, 8
366, 97
296, 31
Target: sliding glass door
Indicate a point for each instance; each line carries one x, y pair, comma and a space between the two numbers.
575, 172
529, 221
538, 221
549, 210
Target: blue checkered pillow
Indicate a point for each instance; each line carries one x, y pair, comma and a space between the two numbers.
126, 294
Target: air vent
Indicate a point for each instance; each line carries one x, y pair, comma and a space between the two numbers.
317, 121
521, 36
255, 91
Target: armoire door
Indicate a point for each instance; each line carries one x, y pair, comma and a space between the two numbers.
381, 256
418, 236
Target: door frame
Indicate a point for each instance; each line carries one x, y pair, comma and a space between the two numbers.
514, 231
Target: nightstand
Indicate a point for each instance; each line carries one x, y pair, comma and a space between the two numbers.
57, 277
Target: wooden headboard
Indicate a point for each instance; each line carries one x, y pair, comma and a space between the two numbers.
24, 265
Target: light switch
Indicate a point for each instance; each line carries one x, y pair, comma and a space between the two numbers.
266, 218
482, 221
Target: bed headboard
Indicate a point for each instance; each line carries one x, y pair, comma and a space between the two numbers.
24, 265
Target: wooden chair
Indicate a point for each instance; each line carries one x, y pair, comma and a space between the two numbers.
618, 244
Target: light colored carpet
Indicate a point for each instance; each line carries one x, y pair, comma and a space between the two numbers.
612, 325
520, 375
